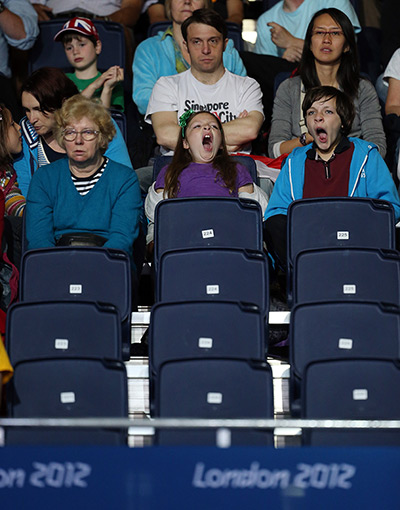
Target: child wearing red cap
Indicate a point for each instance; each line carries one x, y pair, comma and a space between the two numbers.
82, 46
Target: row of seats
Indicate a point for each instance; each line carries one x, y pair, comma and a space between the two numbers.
344, 285
208, 328
67, 339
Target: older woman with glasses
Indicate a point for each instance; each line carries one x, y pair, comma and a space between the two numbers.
329, 58
85, 198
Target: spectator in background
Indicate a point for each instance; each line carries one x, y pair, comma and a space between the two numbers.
329, 58
84, 193
166, 53
391, 77
82, 47
281, 29
230, 10
207, 85
126, 12
18, 28
43, 94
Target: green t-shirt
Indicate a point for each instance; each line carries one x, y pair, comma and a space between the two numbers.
117, 97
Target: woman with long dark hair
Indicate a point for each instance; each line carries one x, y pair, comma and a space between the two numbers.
329, 58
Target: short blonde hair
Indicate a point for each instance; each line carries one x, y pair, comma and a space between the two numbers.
167, 7
77, 107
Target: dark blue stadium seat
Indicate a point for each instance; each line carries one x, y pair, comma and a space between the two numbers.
67, 388
214, 388
338, 222
352, 390
206, 222
80, 274
62, 329
340, 330
351, 274
214, 274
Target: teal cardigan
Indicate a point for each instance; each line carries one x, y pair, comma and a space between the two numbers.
110, 209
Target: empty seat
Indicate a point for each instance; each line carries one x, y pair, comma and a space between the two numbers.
212, 389
80, 274
347, 275
214, 274
353, 390
63, 329
340, 330
338, 222
217, 222
67, 388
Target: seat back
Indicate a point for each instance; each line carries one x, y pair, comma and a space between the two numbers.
347, 275
338, 222
47, 52
80, 274
340, 330
212, 389
201, 329
354, 390
218, 222
68, 388
120, 119
247, 161
214, 274
62, 329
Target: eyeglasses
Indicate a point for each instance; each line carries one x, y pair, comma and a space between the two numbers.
87, 134
334, 34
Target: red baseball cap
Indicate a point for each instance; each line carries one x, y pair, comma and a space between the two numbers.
82, 26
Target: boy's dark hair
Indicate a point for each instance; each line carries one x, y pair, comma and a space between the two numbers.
205, 17
348, 74
70, 36
50, 86
344, 105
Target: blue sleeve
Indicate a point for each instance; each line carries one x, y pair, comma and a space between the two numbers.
22, 166
380, 183
29, 17
117, 150
39, 212
232, 60
146, 71
264, 44
281, 196
125, 215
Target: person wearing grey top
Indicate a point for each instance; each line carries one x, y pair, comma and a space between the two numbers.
329, 58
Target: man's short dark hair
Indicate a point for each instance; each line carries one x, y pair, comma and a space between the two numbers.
344, 105
205, 17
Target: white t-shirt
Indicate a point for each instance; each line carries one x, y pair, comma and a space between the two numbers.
227, 98
393, 68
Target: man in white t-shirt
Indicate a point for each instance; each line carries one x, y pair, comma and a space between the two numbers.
207, 86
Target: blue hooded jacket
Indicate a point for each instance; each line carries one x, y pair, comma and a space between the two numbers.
369, 177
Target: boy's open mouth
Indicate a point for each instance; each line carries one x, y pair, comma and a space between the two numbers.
322, 135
